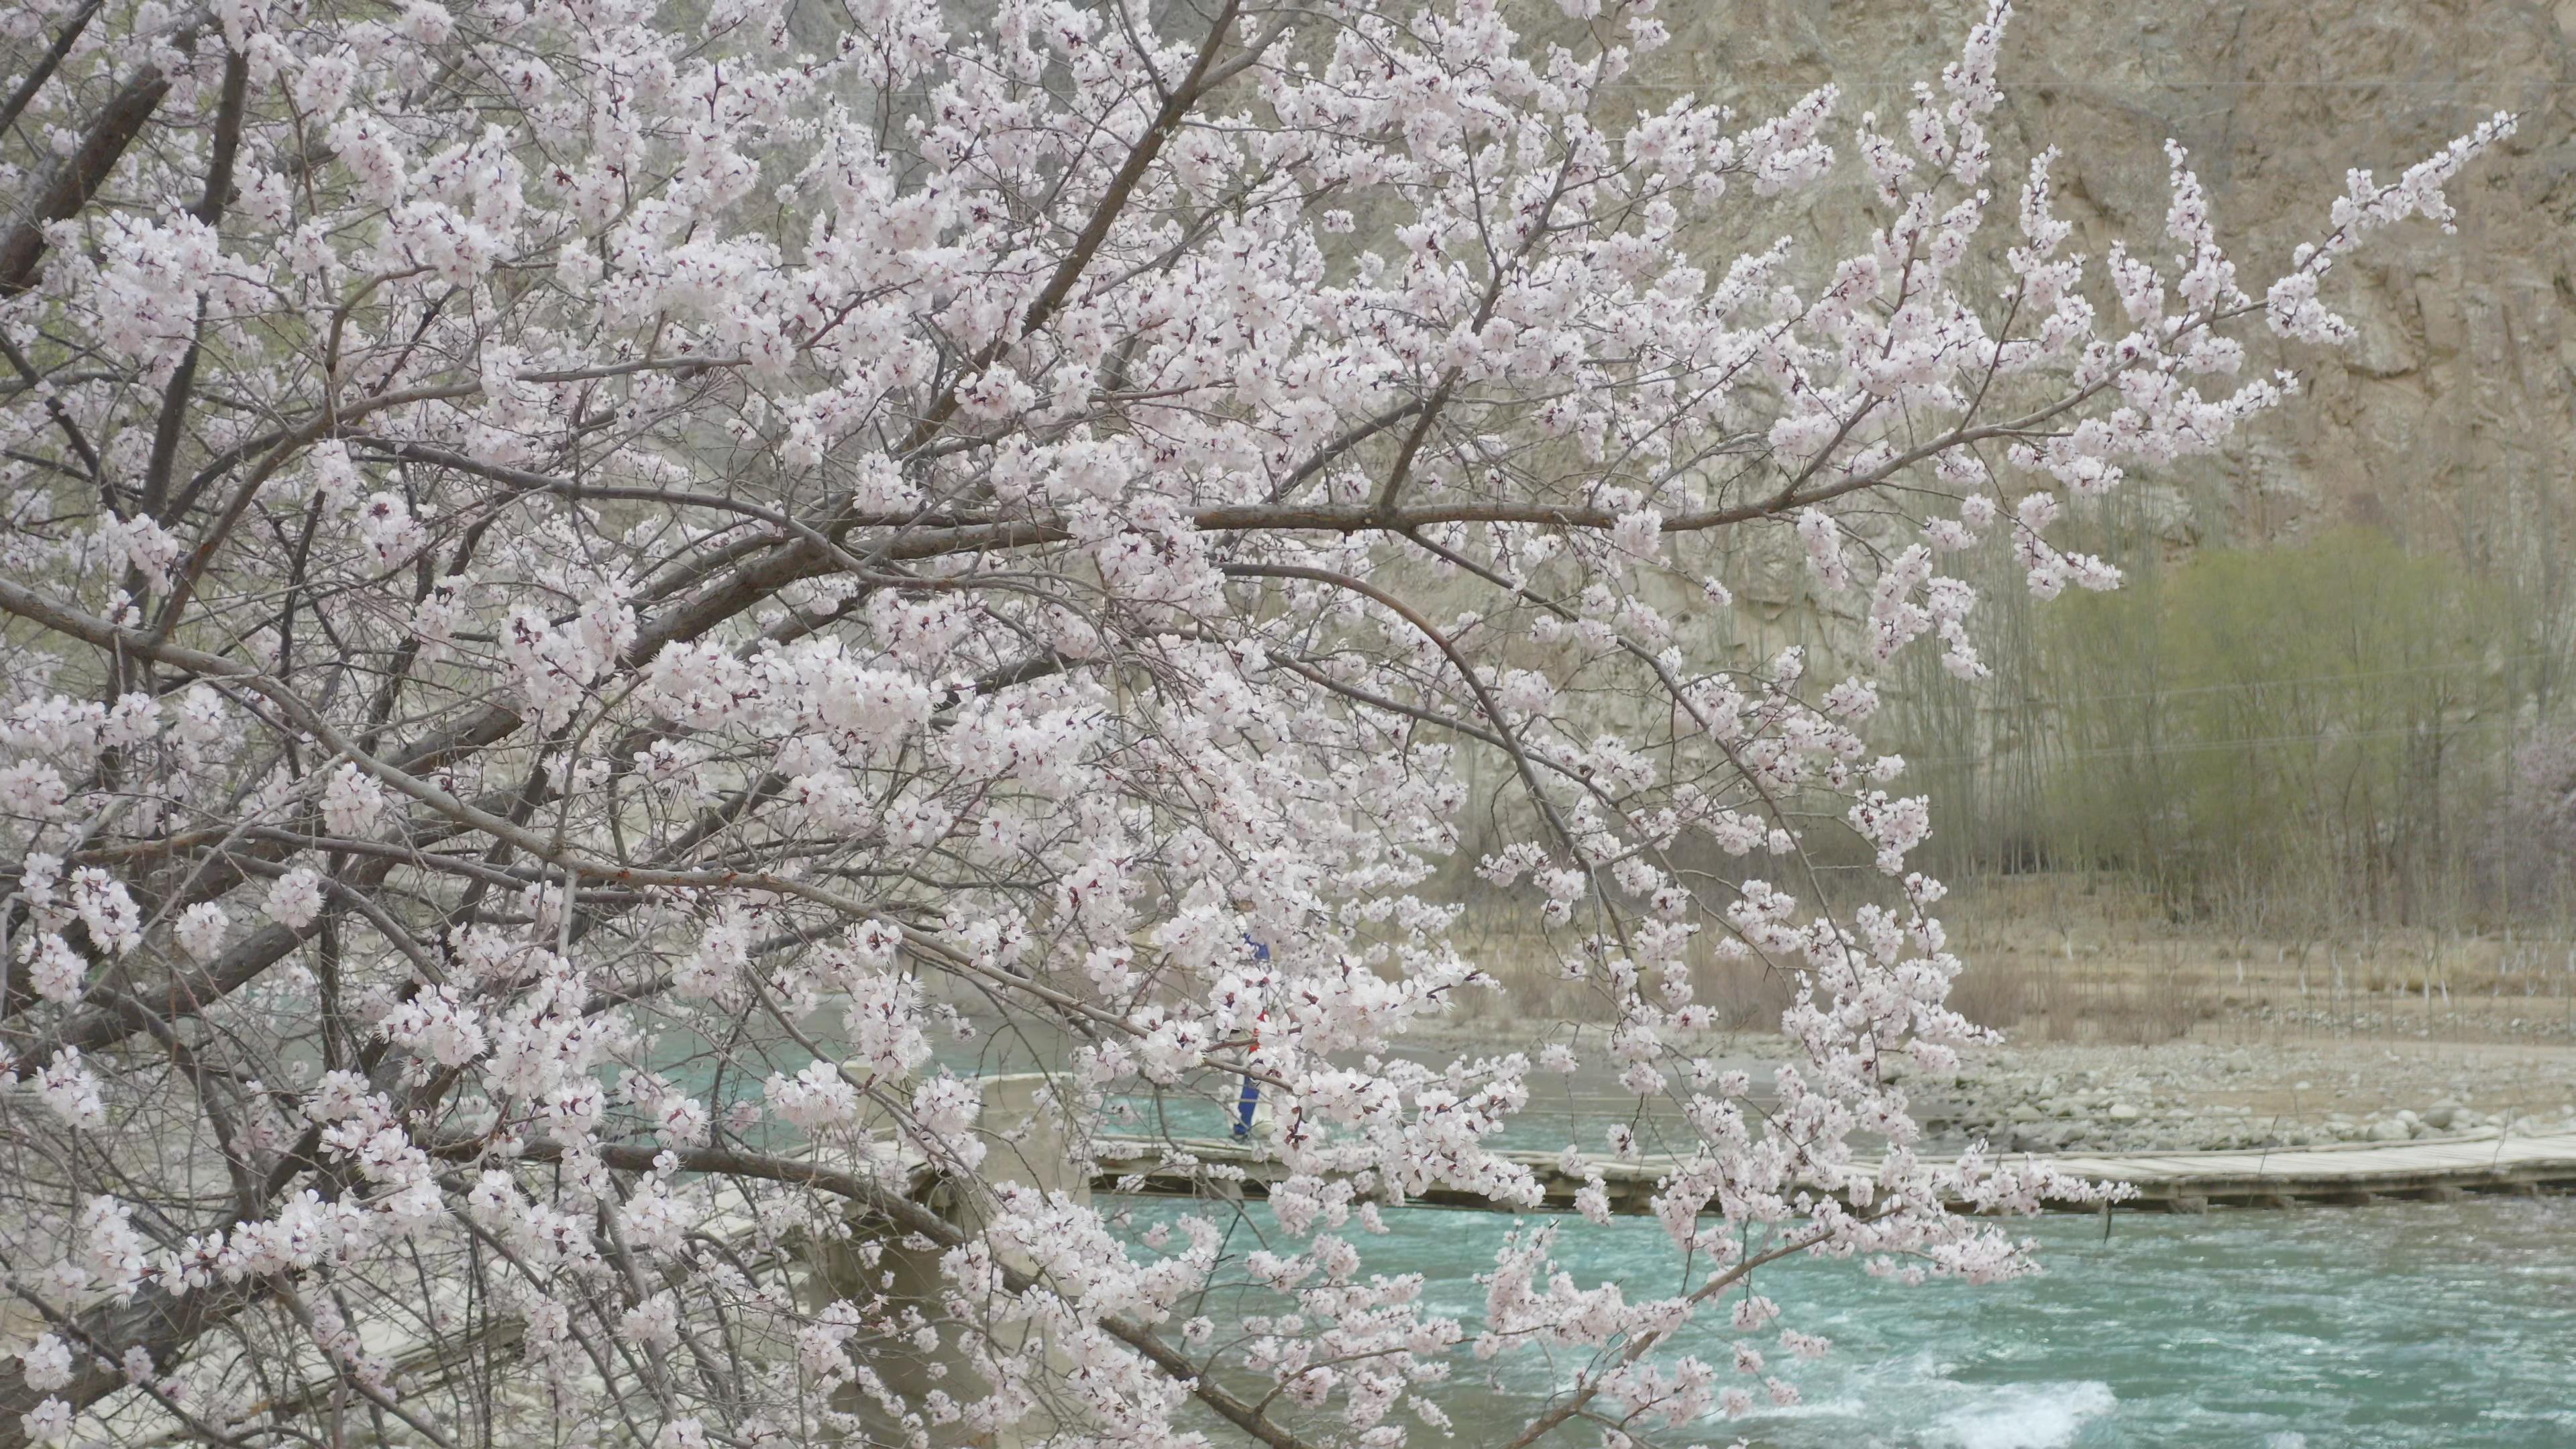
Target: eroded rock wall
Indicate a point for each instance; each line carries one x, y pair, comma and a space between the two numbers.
2453, 422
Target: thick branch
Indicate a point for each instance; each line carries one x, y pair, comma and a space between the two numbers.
74, 180
46, 64
912, 1217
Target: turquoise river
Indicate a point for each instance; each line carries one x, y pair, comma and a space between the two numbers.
2408, 1324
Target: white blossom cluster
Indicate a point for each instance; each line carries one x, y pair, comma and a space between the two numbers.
591, 587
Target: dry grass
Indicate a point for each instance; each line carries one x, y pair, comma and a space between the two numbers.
2072, 1003
2069, 961
2087, 961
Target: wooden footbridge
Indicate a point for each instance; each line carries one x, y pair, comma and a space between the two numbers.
2355, 1173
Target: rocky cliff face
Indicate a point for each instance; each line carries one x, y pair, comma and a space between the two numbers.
2453, 423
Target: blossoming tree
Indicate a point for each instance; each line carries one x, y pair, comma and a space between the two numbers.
587, 584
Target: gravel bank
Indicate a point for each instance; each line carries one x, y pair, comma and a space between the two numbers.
2201, 1096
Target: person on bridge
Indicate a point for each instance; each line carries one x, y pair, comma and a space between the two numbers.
1250, 1102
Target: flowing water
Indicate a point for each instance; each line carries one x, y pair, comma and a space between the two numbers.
2361, 1328
2398, 1326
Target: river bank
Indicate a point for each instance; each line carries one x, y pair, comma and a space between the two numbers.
2189, 1095
2182, 1095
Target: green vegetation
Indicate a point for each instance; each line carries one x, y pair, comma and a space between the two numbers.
2279, 738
